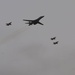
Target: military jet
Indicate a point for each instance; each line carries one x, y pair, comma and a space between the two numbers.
36, 21
8, 23
55, 42
53, 38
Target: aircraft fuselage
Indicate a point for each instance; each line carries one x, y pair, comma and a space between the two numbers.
36, 21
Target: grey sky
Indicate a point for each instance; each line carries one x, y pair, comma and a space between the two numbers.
28, 50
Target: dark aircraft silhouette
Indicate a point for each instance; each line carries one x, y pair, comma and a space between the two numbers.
55, 42
36, 21
53, 38
8, 23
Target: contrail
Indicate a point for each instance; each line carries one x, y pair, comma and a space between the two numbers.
14, 34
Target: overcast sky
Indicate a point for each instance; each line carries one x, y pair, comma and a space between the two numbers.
28, 50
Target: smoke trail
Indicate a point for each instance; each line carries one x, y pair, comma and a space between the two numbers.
14, 34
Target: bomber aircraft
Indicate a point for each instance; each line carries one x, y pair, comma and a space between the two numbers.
53, 38
8, 23
36, 21
55, 42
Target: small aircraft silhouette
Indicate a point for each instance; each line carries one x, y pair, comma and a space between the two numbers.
53, 38
36, 21
8, 23
55, 42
